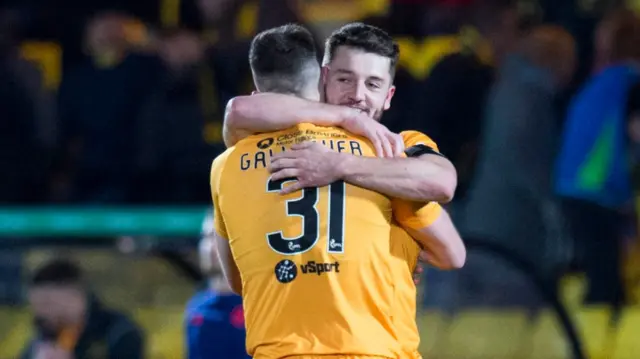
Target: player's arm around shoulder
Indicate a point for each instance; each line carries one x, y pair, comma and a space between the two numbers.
267, 112
444, 177
423, 175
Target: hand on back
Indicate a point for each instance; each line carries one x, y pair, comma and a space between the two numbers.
385, 142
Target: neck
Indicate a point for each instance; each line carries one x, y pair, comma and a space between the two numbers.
219, 285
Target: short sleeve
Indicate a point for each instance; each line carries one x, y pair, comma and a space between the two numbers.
415, 138
416, 215
219, 225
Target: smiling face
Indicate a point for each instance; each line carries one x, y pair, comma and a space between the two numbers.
360, 80
359, 64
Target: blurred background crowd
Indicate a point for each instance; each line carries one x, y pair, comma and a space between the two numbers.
537, 103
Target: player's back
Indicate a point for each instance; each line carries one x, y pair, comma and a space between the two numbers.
314, 264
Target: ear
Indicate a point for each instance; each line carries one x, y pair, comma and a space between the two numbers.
324, 75
322, 85
387, 100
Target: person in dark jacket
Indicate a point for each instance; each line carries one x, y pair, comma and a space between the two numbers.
456, 91
99, 103
71, 323
510, 202
180, 125
511, 195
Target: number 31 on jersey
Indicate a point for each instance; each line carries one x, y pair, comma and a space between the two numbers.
305, 207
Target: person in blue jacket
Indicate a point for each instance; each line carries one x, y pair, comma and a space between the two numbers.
214, 316
598, 153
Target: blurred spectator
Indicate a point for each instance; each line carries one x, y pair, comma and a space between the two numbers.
419, 18
229, 26
612, 38
580, 19
221, 19
215, 312
323, 17
510, 201
99, 103
175, 143
593, 168
70, 322
443, 16
519, 143
27, 130
274, 13
455, 91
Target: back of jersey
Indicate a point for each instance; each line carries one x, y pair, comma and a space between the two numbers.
314, 264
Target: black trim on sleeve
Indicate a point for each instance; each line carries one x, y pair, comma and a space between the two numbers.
419, 150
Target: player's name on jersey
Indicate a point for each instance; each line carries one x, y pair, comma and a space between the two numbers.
267, 148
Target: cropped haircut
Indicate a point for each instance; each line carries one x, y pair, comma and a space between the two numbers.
283, 58
58, 273
363, 37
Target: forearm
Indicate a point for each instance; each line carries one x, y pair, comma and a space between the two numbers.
414, 179
442, 242
272, 112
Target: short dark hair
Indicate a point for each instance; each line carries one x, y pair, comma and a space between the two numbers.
363, 37
279, 58
57, 272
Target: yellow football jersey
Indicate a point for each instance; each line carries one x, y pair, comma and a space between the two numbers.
313, 282
316, 269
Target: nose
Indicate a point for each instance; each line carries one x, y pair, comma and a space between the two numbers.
358, 93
